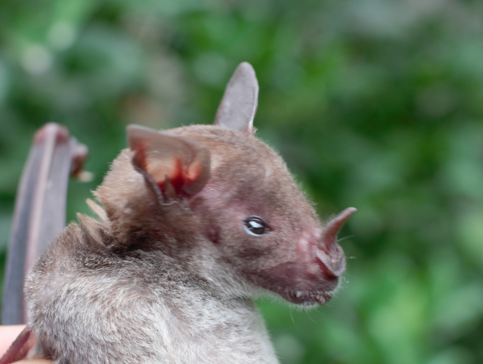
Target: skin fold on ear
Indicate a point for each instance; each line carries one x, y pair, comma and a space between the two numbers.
239, 104
172, 165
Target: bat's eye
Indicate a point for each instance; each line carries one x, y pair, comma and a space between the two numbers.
255, 226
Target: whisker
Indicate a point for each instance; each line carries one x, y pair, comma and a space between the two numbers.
347, 237
310, 317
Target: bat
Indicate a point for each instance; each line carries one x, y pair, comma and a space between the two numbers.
194, 224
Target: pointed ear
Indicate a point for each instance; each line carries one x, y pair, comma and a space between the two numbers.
239, 104
176, 165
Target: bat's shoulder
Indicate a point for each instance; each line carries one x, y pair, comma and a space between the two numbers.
81, 247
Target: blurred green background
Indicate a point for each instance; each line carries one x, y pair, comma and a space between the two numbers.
374, 104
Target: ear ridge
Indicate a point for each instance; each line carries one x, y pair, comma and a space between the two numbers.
240, 100
175, 164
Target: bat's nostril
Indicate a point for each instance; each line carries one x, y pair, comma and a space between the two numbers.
333, 264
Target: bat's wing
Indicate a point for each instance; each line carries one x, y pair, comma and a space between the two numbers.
39, 210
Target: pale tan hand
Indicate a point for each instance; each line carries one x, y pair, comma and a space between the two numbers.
7, 335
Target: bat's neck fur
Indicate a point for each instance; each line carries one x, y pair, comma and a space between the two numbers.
148, 296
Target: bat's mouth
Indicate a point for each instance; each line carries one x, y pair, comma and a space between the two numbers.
303, 297
307, 298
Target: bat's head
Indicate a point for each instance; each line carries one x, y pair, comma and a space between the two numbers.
226, 199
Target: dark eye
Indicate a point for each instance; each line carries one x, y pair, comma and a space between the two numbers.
255, 226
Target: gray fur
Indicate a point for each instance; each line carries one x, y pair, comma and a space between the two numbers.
139, 307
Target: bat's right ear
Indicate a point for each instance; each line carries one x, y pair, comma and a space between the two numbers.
239, 104
173, 166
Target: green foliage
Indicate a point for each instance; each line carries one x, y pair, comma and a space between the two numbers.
374, 104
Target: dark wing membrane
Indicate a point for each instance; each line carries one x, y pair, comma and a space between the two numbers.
39, 210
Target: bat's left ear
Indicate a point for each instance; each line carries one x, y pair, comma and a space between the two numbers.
174, 166
239, 104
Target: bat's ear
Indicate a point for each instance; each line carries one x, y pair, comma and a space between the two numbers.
239, 104
174, 166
